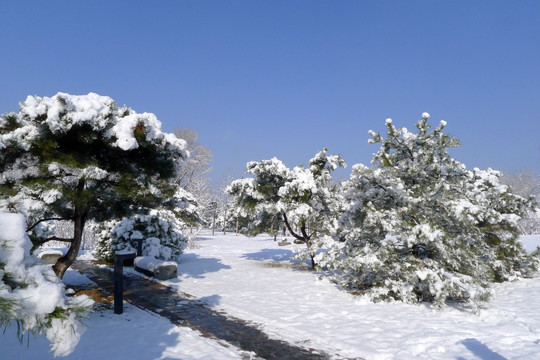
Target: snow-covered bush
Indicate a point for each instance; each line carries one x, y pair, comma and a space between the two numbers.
160, 231
30, 293
419, 226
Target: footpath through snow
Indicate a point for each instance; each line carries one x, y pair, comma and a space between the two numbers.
253, 279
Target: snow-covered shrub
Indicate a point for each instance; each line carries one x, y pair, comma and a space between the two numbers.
160, 230
31, 294
419, 226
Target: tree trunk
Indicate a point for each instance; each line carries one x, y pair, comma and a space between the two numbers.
305, 238
67, 260
79, 220
225, 221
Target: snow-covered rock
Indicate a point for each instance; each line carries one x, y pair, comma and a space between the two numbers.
50, 256
159, 269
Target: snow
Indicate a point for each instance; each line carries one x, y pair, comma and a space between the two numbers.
135, 334
36, 290
51, 251
150, 263
13, 241
254, 279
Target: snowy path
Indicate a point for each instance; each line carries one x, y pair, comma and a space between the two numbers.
184, 310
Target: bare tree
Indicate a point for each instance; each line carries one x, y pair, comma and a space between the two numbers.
526, 184
224, 200
194, 175
198, 164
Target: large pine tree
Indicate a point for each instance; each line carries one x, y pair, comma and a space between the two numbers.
81, 158
421, 227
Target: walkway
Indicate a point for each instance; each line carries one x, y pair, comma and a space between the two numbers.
185, 310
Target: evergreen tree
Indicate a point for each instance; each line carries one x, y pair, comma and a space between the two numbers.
419, 226
305, 199
81, 158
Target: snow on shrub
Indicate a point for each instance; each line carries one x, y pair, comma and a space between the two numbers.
160, 230
419, 226
32, 295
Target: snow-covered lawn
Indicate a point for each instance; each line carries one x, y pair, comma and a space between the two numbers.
252, 278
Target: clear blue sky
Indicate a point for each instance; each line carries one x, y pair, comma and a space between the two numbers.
259, 79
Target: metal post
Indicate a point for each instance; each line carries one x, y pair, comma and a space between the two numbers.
118, 280
118, 284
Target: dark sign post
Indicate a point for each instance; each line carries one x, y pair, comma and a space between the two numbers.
119, 258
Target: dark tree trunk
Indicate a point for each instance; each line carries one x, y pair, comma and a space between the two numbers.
79, 220
304, 237
67, 260
312, 257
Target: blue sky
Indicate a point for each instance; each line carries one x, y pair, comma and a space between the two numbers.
259, 79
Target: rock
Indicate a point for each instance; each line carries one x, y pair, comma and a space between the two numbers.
50, 256
159, 269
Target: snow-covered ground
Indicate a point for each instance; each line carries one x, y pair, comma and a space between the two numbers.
134, 335
252, 278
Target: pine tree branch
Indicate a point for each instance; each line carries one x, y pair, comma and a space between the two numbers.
46, 219
304, 233
286, 221
56, 238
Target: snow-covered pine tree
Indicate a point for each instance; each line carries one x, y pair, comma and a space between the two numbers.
81, 158
305, 199
30, 293
419, 226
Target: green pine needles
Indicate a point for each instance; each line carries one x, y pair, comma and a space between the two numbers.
415, 226
421, 227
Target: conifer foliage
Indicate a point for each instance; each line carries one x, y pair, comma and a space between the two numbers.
419, 226
160, 231
81, 158
305, 200
32, 296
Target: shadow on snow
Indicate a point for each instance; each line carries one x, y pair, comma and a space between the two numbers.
480, 350
270, 254
194, 266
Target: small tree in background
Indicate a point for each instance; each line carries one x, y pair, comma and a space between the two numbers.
80, 158
420, 227
197, 166
306, 199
